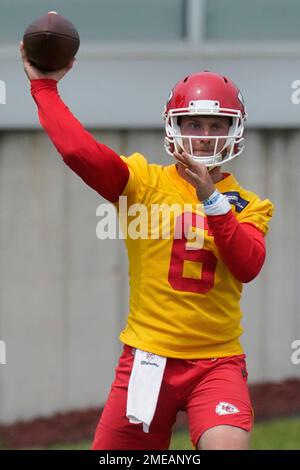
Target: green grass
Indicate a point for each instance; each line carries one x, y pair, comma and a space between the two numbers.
281, 434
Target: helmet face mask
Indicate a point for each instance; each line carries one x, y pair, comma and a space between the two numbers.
216, 90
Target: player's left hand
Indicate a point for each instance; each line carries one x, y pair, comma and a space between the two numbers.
197, 174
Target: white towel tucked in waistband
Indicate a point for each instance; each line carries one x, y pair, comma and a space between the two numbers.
144, 386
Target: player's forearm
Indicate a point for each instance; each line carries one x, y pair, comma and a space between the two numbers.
99, 166
241, 246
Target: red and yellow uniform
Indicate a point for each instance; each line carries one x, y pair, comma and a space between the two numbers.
184, 303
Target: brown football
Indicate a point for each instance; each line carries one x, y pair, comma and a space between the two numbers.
50, 42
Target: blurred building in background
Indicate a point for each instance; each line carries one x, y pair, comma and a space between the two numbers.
63, 292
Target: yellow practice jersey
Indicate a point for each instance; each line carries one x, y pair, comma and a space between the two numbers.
184, 302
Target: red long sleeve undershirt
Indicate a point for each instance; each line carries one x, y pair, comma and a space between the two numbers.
241, 246
99, 166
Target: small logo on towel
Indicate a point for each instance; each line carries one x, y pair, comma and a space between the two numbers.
224, 408
147, 363
149, 357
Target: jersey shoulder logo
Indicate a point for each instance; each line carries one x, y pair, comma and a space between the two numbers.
235, 199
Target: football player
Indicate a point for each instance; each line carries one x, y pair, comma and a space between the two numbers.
181, 342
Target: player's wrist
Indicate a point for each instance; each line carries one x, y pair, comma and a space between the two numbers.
212, 198
216, 204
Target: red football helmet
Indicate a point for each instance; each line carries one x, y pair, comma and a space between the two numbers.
208, 94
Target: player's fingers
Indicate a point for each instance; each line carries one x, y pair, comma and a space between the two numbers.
181, 157
190, 160
194, 165
177, 155
22, 51
23, 55
70, 65
193, 175
24, 59
187, 158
